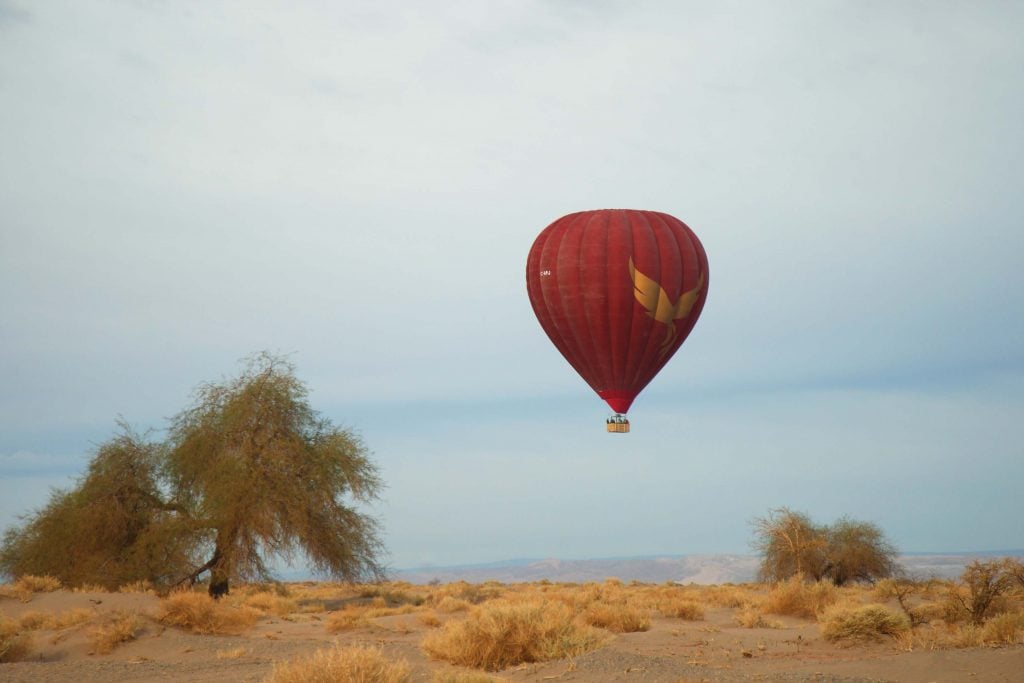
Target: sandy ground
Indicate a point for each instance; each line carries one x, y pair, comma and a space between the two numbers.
714, 649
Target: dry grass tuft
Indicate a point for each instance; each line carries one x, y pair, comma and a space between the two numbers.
1004, 629
14, 646
430, 620
38, 584
234, 653
799, 599
450, 605
347, 619
499, 634
47, 621
617, 618
199, 613
750, 616
681, 608
342, 665
868, 622
460, 677
269, 603
115, 628
143, 586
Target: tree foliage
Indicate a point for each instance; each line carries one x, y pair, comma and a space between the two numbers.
249, 472
790, 544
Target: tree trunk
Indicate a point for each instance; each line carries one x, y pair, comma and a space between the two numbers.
219, 574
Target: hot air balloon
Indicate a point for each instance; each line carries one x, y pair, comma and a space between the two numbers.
617, 291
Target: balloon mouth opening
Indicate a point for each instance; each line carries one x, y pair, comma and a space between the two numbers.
618, 401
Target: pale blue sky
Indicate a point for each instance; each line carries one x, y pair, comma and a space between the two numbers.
358, 184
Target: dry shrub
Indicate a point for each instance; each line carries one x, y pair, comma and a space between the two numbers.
143, 586
681, 608
750, 616
269, 603
356, 664
796, 598
14, 646
347, 619
1004, 629
618, 618
450, 605
234, 653
868, 622
38, 584
114, 628
461, 677
499, 634
726, 596
35, 621
430, 620
199, 613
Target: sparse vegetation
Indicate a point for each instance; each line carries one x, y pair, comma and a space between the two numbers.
199, 613
867, 622
796, 598
114, 629
617, 617
986, 583
501, 633
357, 664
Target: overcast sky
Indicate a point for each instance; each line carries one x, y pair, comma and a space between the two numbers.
358, 184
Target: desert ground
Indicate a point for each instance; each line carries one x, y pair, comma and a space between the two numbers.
601, 631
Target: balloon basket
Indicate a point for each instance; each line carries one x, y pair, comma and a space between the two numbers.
617, 424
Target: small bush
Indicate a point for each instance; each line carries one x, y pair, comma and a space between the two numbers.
115, 628
449, 605
1005, 629
618, 618
14, 647
38, 584
270, 603
795, 598
342, 665
346, 620
681, 609
199, 613
751, 617
499, 634
869, 622
430, 620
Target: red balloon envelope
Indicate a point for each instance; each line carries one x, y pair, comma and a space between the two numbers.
617, 291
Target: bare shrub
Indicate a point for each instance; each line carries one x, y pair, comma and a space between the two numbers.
986, 583
868, 622
796, 598
357, 664
114, 629
500, 633
617, 618
790, 544
200, 613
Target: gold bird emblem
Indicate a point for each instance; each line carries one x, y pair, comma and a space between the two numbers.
660, 306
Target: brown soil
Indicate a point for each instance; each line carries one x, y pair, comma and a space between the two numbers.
714, 649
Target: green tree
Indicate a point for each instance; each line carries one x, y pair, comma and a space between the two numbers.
249, 472
112, 528
790, 544
264, 474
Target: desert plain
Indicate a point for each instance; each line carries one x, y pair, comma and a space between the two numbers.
539, 631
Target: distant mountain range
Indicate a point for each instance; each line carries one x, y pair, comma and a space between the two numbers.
699, 569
